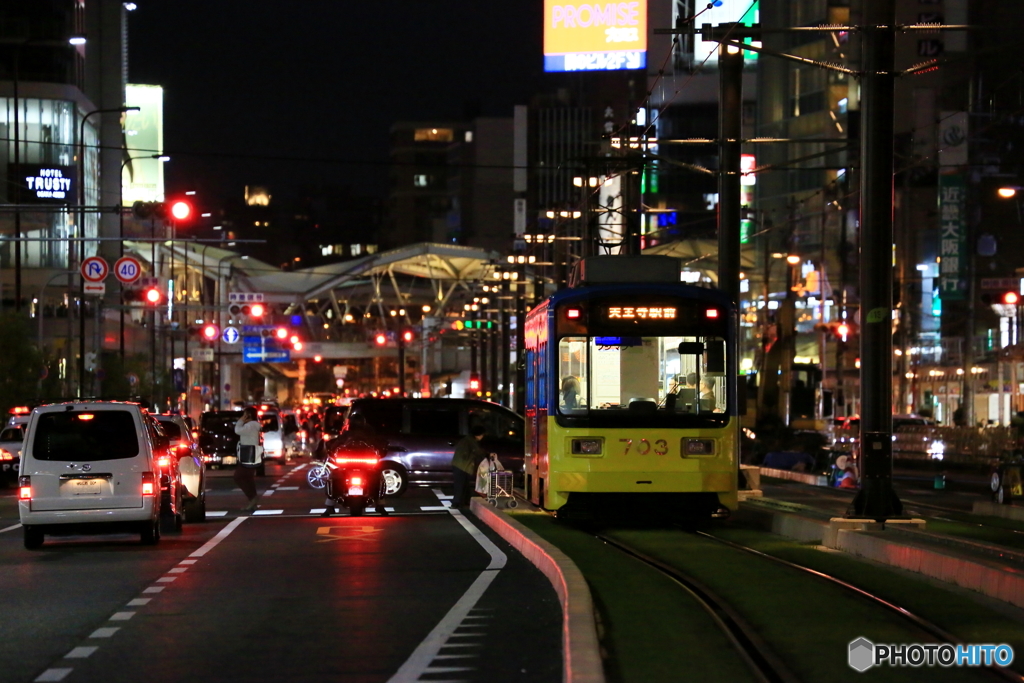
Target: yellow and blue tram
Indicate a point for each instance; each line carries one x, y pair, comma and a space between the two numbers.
631, 399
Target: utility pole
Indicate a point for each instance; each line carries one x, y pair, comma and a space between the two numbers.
877, 499
730, 131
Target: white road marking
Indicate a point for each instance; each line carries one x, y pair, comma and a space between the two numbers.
138, 602
177, 570
221, 535
432, 508
267, 512
421, 658
446, 669
187, 562
81, 652
53, 675
154, 589
268, 493
216, 513
122, 616
317, 511
166, 579
10, 528
288, 488
105, 632
440, 495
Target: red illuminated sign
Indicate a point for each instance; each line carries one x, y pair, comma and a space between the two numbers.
640, 313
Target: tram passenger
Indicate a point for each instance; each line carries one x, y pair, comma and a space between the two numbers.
570, 393
707, 396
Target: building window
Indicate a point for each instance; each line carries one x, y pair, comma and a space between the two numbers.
469, 136
433, 135
371, 248
420, 180
326, 250
357, 249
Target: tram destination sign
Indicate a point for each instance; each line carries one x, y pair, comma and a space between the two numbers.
639, 312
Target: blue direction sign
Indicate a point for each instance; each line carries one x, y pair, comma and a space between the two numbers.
264, 350
230, 335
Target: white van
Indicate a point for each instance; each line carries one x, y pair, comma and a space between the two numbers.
89, 467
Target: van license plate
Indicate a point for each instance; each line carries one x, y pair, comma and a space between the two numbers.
355, 490
229, 460
83, 487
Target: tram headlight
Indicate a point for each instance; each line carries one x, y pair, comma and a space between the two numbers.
587, 446
699, 446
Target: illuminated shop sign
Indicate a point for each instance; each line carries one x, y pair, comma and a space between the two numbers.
598, 36
640, 313
46, 184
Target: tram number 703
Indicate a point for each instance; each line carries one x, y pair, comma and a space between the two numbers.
643, 446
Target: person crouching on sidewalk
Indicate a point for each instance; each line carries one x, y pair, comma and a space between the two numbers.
465, 461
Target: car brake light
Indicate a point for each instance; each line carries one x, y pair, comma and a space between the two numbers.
20, 410
148, 484
712, 313
5, 455
86, 416
182, 446
356, 481
24, 488
163, 461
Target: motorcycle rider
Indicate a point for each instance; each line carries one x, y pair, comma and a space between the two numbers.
359, 434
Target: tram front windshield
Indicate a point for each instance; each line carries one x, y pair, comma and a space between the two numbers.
680, 375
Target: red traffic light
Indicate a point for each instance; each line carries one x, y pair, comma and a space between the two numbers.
257, 310
474, 383
842, 331
381, 339
1011, 298
152, 296
210, 332
281, 333
407, 336
181, 210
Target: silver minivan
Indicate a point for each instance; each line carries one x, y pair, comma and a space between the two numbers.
89, 467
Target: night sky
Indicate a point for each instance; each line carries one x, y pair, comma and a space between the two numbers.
283, 92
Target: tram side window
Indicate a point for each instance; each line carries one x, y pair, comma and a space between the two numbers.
695, 378
573, 376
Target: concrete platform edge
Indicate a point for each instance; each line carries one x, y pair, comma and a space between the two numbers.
993, 509
1002, 584
581, 650
802, 477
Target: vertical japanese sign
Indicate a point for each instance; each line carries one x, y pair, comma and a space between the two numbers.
952, 236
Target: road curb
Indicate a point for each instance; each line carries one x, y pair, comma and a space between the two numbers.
581, 653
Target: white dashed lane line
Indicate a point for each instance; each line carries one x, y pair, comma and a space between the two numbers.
83, 651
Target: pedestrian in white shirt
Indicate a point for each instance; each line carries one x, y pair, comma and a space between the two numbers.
248, 430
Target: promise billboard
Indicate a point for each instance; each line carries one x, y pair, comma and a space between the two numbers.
595, 36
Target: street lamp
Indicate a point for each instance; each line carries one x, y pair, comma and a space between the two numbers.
81, 233
18, 45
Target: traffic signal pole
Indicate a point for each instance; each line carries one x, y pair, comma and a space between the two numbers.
730, 127
876, 498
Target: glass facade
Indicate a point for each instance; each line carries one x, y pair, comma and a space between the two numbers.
47, 132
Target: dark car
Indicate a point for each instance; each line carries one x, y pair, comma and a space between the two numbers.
421, 435
217, 439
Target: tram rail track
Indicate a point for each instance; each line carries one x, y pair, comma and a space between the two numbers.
763, 664
919, 622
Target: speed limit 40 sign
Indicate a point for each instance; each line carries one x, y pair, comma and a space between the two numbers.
127, 269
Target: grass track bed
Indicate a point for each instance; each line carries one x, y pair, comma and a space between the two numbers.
653, 631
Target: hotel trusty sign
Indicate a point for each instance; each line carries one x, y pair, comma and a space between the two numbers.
44, 184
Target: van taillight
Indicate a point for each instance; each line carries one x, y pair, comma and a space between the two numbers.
148, 484
24, 488
163, 461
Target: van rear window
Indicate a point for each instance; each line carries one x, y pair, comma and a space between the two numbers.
171, 429
88, 436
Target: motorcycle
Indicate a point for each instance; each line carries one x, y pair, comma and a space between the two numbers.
355, 478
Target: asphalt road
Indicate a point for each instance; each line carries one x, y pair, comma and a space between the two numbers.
425, 594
